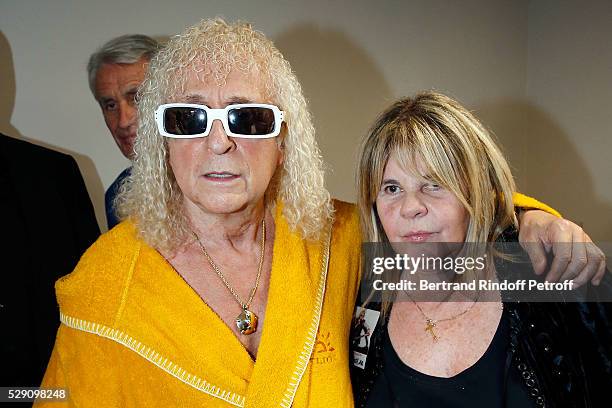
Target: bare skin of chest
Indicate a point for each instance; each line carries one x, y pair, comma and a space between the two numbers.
460, 342
240, 270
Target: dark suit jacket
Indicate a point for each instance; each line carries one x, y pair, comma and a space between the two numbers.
47, 223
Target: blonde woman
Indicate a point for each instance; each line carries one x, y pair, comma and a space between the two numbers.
430, 173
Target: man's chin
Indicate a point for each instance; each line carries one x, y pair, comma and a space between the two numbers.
127, 150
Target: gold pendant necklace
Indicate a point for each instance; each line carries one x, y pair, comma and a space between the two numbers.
430, 324
246, 321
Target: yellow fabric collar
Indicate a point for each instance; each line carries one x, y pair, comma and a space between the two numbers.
129, 289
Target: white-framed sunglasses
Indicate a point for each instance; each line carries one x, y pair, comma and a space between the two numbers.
248, 120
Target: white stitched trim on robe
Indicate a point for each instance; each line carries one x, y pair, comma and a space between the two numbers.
304, 357
155, 358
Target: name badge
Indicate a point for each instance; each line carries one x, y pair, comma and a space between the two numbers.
363, 325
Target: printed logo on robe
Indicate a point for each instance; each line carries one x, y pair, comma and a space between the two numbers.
362, 327
324, 352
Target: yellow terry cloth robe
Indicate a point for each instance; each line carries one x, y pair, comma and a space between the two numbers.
134, 334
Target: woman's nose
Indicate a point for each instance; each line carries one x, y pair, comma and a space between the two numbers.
413, 206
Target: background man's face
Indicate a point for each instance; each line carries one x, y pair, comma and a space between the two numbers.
116, 86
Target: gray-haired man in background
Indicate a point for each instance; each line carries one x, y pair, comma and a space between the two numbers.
115, 72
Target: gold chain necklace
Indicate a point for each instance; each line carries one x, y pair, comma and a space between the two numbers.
430, 323
246, 321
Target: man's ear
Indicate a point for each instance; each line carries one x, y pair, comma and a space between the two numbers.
281, 156
280, 144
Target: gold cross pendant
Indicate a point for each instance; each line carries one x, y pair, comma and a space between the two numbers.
430, 324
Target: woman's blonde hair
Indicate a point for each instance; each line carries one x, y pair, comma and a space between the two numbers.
454, 149
212, 49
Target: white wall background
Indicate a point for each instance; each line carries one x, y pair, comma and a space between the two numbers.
569, 89
537, 73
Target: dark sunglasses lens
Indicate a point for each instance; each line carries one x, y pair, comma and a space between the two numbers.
251, 121
185, 121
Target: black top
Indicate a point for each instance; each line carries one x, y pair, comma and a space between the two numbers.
559, 354
481, 385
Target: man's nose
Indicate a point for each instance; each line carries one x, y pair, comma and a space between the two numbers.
127, 115
218, 141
